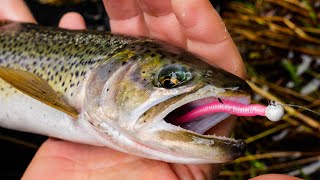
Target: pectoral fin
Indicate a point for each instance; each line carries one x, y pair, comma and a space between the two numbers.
38, 88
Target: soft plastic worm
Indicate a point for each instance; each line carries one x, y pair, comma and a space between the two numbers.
274, 111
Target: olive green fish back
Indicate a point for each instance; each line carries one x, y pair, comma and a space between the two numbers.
61, 57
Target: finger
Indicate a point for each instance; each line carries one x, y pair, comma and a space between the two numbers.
223, 54
15, 10
275, 176
72, 20
78, 161
199, 20
126, 17
156, 8
121, 9
207, 35
162, 22
197, 171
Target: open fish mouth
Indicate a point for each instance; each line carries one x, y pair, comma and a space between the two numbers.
188, 141
203, 123
173, 110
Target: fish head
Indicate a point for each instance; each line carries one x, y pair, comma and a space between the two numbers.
155, 84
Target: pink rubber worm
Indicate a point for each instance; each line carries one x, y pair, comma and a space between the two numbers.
230, 107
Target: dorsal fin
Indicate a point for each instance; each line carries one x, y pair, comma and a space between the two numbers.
38, 88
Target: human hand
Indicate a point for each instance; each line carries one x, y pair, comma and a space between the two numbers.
191, 24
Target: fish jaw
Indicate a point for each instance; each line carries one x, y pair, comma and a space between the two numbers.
185, 142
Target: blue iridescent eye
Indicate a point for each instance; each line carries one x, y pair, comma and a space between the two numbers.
173, 75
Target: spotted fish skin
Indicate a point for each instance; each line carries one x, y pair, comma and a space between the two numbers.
121, 87
62, 58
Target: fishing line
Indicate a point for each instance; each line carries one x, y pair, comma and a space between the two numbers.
302, 107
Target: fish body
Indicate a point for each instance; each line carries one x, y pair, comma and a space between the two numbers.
113, 90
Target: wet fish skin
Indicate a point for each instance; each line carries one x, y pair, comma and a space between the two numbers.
111, 80
62, 58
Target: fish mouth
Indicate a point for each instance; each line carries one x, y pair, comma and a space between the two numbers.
188, 142
204, 122
173, 109
192, 134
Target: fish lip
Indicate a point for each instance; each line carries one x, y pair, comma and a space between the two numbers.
203, 148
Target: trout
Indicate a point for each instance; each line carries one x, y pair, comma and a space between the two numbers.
114, 90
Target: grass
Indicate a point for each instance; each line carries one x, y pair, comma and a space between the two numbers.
276, 39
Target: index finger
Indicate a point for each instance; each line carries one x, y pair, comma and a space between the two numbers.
124, 15
207, 35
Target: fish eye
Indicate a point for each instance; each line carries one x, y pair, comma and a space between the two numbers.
173, 75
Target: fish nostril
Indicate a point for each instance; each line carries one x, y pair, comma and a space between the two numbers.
208, 74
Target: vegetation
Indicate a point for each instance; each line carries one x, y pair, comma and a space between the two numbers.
280, 43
